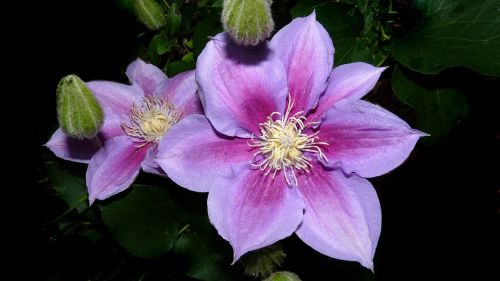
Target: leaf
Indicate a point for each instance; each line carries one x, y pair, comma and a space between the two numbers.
142, 222
69, 184
208, 26
345, 25
438, 109
202, 262
177, 67
188, 57
126, 5
452, 33
162, 44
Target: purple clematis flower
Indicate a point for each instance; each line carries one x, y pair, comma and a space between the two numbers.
137, 117
286, 144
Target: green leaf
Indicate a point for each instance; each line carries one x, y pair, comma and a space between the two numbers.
142, 222
345, 25
304, 7
162, 44
452, 33
188, 57
69, 184
208, 26
203, 262
126, 5
438, 109
177, 67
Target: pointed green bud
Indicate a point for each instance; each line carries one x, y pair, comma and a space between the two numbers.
150, 13
78, 111
283, 276
248, 22
262, 262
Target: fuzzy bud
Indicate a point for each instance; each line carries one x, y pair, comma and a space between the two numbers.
150, 13
283, 276
78, 111
262, 262
248, 22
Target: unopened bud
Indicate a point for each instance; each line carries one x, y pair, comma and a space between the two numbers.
78, 111
248, 22
262, 262
283, 276
150, 13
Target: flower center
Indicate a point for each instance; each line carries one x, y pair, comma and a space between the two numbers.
283, 145
150, 120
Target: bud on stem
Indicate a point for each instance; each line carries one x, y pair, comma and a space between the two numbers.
283, 276
248, 22
79, 113
150, 13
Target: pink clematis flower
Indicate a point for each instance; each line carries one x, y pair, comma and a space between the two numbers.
137, 117
286, 144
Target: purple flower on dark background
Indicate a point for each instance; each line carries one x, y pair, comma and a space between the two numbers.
287, 143
137, 117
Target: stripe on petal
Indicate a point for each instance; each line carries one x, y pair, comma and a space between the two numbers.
254, 211
114, 167
365, 138
306, 50
198, 158
240, 87
348, 81
342, 217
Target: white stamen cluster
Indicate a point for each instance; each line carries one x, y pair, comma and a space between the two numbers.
283, 145
150, 120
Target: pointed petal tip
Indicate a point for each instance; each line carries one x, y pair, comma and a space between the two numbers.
91, 199
236, 256
421, 134
368, 264
312, 15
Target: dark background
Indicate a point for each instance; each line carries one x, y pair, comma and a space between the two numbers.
440, 208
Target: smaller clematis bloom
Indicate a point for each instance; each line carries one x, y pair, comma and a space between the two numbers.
137, 117
286, 144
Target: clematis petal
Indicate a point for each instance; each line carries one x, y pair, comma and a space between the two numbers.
149, 165
115, 98
181, 90
198, 158
146, 76
111, 127
348, 81
306, 50
342, 217
253, 211
365, 138
73, 149
239, 87
114, 167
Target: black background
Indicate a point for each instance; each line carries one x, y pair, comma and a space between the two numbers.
440, 209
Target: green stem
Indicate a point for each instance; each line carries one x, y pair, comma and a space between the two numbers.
71, 208
183, 229
383, 60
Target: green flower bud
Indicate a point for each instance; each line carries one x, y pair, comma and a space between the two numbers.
78, 111
248, 22
150, 13
283, 276
262, 262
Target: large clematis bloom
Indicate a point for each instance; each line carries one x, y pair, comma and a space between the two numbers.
137, 116
286, 144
